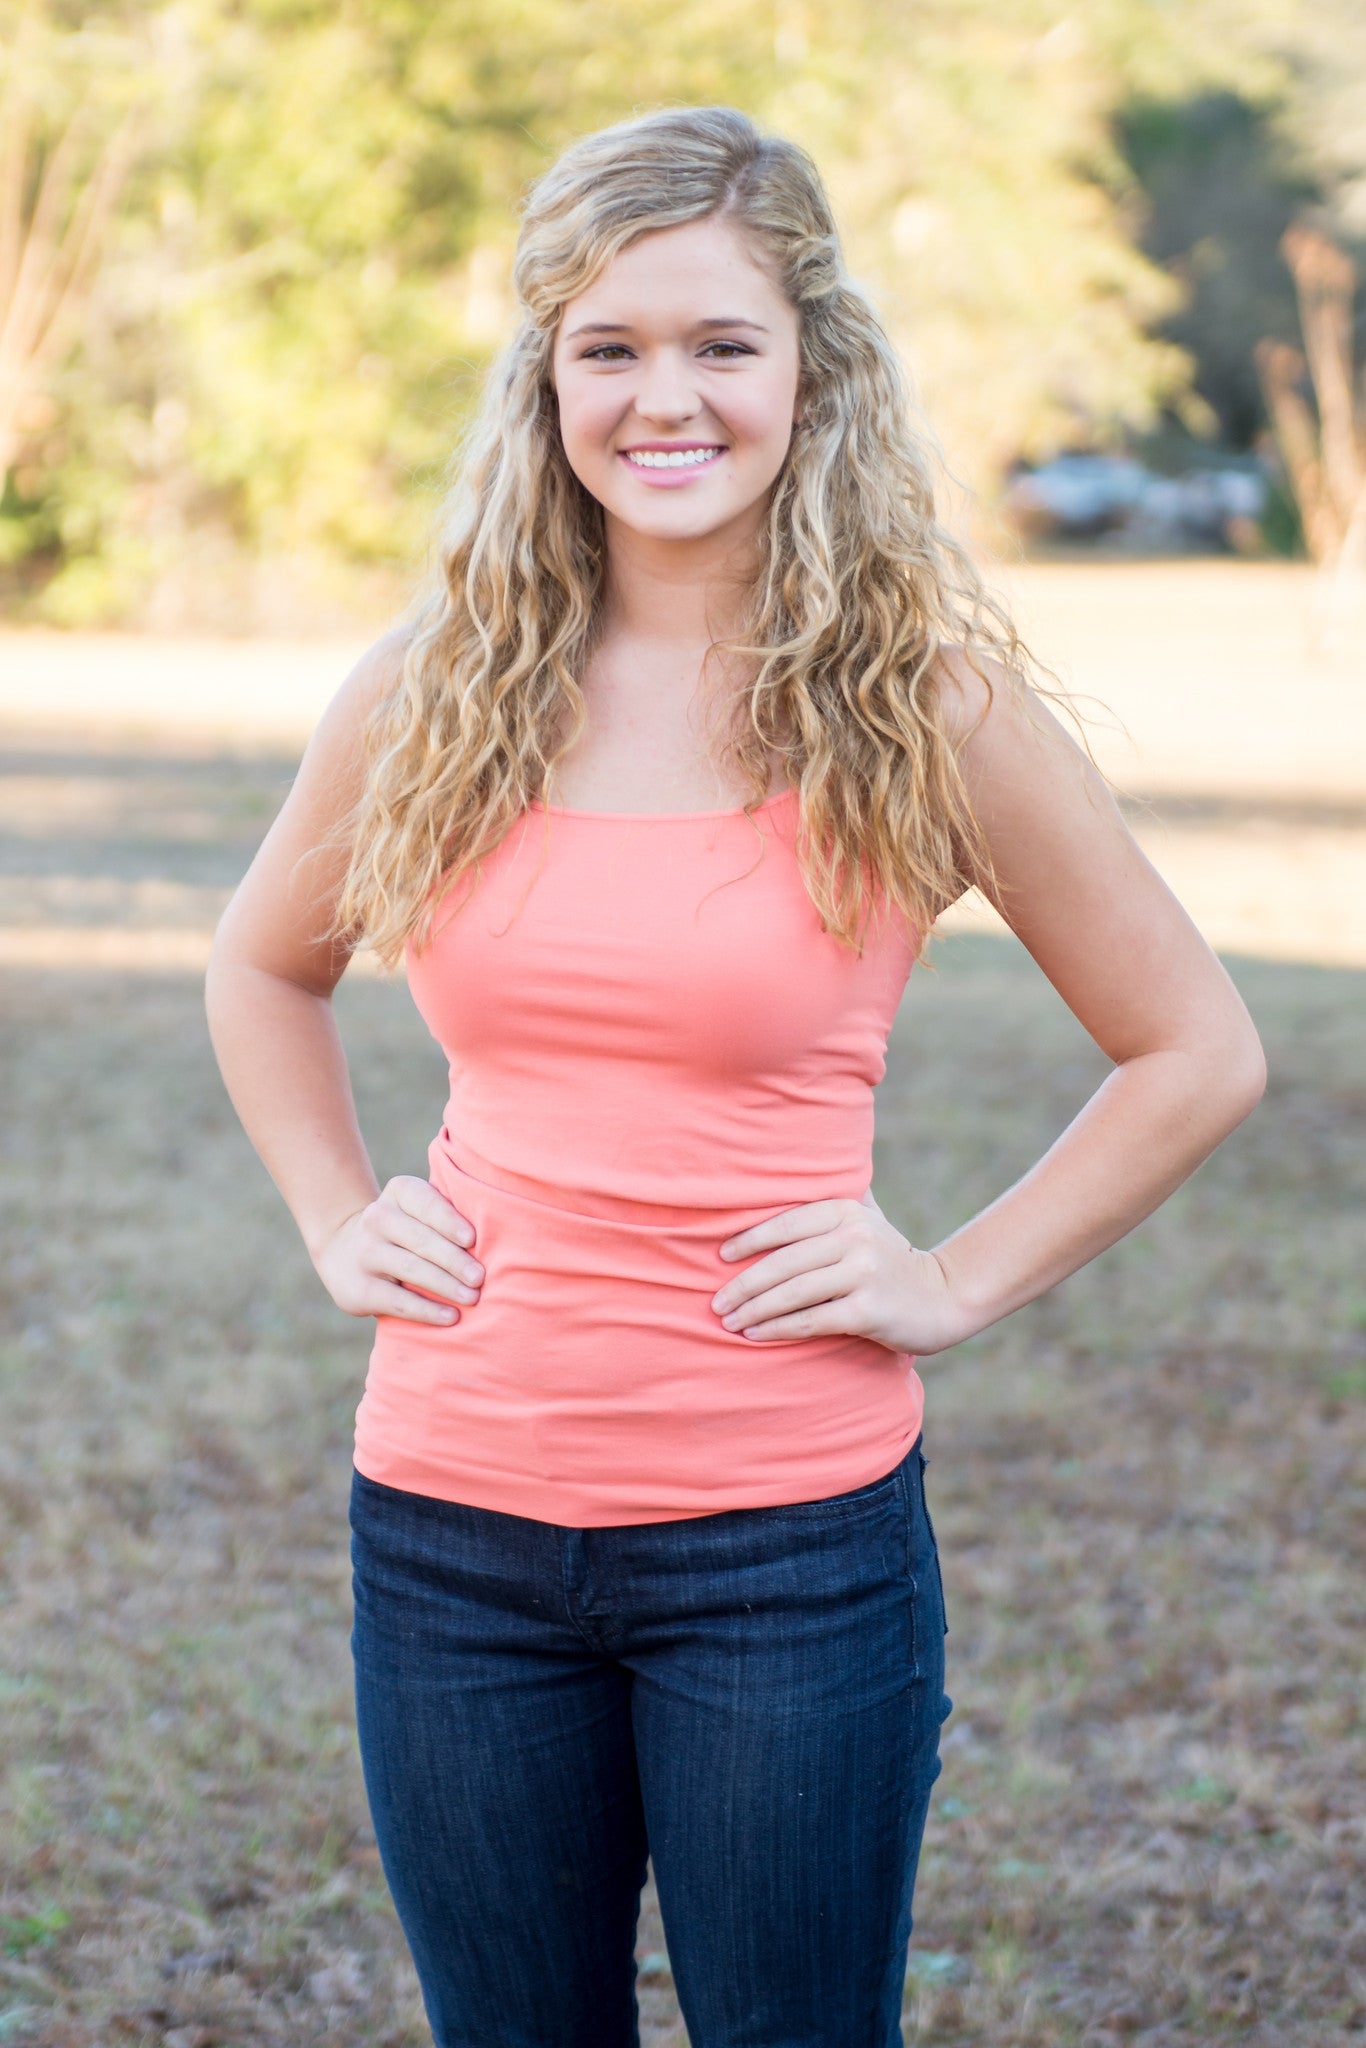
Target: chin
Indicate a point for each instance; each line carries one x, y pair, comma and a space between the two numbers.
679, 511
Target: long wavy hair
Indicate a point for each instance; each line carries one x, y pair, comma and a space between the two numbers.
859, 585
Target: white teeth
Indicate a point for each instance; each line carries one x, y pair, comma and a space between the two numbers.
687, 458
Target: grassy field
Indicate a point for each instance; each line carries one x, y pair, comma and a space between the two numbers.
1146, 1486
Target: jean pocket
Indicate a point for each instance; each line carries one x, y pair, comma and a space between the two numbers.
877, 1493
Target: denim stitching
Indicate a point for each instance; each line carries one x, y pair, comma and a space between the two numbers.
904, 1490
843, 1503
934, 1544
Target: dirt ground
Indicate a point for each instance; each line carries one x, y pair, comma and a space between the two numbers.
1146, 1485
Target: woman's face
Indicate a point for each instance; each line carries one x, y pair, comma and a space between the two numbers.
677, 376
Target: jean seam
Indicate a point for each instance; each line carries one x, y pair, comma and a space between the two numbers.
831, 1510
911, 1578
576, 1622
934, 1545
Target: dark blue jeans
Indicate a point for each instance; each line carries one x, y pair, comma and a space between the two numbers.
751, 1698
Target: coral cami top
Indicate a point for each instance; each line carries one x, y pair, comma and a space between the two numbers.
652, 1045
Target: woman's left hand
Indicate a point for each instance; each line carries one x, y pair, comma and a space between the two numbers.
839, 1268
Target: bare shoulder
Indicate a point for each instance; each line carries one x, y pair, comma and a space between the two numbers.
370, 680
381, 665
962, 690
336, 761
1006, 737
281, 918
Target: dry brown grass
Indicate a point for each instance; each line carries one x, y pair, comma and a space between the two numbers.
1149, 1826
1147, 1489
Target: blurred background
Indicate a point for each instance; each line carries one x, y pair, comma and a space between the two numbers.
255, 258
253, 263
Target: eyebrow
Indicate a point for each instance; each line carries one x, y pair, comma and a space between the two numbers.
716, 320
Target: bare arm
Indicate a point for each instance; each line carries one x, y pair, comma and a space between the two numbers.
1102, 924
1122, 953
272, 973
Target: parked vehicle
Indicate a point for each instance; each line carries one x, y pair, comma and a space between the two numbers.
1082, 496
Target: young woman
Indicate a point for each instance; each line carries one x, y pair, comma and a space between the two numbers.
661, 788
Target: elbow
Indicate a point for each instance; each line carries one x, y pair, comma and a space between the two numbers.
1256, 1076
240, 971
229, 972
1250, 1087
1222, 1077
1238, 1077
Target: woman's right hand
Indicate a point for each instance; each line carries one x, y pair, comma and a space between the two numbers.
408, 1244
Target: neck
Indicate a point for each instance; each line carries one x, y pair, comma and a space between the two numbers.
677, 592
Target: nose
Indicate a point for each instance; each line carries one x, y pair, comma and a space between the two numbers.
665, 389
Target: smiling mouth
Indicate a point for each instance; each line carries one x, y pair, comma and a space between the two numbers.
682, 458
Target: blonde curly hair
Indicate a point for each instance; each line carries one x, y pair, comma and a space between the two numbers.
859, 590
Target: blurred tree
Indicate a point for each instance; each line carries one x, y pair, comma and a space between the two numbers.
1222, 182
352, 174
1326, 461
970, 149
1224, 172
1323, 49
308, 281
971, 167
309, 265
59, 178
69, 122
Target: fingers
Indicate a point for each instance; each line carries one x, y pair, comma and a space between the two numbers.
371, 1292
420, 1200
808, 1219
394, 1263
825, 1320
386, 1298
816, 1287
406, 1254
806, 1256
803, 1288
419, 1238
406, 1233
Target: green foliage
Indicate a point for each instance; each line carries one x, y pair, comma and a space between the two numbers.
307, 274
1223, 180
